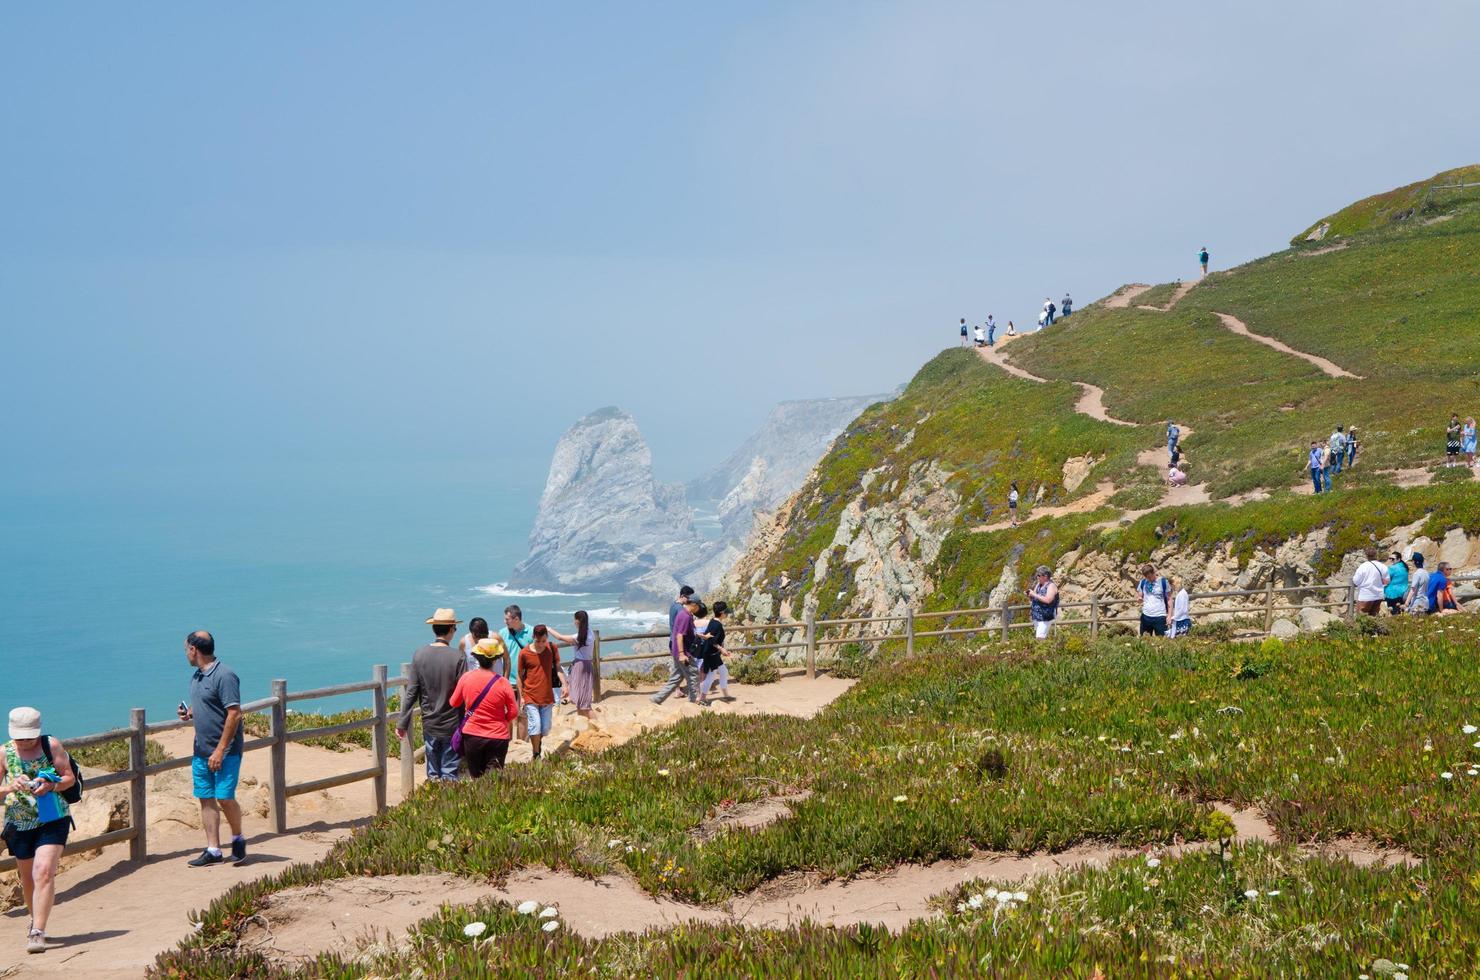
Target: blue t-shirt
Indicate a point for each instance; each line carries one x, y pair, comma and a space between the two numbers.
213, 690
1315, 459
1437, 583
514, 642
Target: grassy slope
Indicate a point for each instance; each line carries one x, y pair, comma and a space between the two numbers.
1403, 203
1121, 741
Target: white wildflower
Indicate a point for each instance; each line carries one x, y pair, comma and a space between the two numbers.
991, 893
475, 929
961, 907
1470, 729
976, 901
662, 772
1102, 738
1252, 893
1446, 775
1273, 892
613, 843
1004, 897
549, 912
901, 798
528, 908
551, 926
1019, 896
1153, 862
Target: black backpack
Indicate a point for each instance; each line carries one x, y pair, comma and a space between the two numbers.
74, 793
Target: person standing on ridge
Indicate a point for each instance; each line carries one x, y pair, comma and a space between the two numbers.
35, 770
1049, 310
963, 331
1181, 611
981, 338
487, 701
216, 764
1467, 442
1012, 502
1369, 581
582, 680
1202, 259
1316, 466
1326, 465
1351, 446
1067, 306
991, 331
1452, 441
1338, 449
435, 670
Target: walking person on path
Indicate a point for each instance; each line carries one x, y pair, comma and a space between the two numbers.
1396, 590
1467, 442
1044, 599
582, 677
1066, 307
1337, 443
35, 772
435, 669
1351, 446
1370, 581
477, 633
682, 644
487, 702
1174, 434
539, 674
963, 331
1012, 502
684, 593
1314, 462
991, 331
1326, 466
1202, 259
1156, 594
216, 763
1181, 611
1452, 441
715, 671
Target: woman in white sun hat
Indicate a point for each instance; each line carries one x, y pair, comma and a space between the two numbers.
35, 771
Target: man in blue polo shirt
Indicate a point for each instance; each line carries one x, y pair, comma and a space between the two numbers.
215, 707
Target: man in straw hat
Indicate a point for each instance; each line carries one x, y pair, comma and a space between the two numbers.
435, 669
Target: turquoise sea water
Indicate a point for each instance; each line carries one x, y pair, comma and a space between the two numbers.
311, 579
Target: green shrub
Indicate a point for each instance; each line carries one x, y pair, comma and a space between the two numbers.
755, 669
634, 679
853, 661
113, 756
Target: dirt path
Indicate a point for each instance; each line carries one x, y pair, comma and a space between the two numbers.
1183, 288
113, 917
1236, 325
1102, 493
1091, 397
340, 915
1122, 297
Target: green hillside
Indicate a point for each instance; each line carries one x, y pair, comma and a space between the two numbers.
1421, 201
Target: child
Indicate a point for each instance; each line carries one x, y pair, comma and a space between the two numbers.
714, 655
1181, 612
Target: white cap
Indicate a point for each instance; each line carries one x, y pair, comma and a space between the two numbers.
25, 723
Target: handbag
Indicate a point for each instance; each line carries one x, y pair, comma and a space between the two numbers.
457, 736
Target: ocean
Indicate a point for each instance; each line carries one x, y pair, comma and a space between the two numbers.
313, 578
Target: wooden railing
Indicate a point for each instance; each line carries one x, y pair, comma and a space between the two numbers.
810, 634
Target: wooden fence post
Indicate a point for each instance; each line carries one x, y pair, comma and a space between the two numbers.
279, 749
408, 754
1269, 606
1094, 617
811, 646
1351, 603
1006, 606
596, 665
379, 738
909, 632
138, 848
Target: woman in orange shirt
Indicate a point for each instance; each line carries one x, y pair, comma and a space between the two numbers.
487, 700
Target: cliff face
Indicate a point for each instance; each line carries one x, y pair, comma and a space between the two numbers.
603, 519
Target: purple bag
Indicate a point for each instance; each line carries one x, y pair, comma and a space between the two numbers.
457, 739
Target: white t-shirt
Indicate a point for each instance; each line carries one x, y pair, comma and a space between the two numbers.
1369, 580
1181, 606
1153, 597
979, 335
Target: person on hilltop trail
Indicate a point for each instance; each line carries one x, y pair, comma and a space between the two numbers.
1351, 446
487, 701
981, 338
683, 644
1467, 442
1012, 502
435, 670
35, 772
1338, 449
1202, 259
477, 632
215, 707
1011, 330
1049, 310
1326, 466
991, 331
1156, 608
1176, 476
1395, 593
1317, 465
1452, 441
1044, 596
539, 676
1370, 581
582, 680
963, 331
1173, 435
1067, 306
715, 671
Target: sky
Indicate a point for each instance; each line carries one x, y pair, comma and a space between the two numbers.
376, 237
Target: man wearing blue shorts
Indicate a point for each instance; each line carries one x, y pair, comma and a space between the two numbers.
538, 669
215, 707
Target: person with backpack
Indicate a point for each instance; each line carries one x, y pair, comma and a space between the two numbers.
963, 331
1049, 310
38, 781
1156, 609
1316, 462
215, 708
713, 653
1337, 444
1174, 434
1067, 306
1369, 583
1202, 259
487, 700
1044, 598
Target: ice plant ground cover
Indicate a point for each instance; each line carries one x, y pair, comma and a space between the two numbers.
1014, 748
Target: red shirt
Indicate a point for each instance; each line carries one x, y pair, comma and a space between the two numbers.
537, 675
495, 711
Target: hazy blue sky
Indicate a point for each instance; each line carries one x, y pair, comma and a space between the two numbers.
384, 234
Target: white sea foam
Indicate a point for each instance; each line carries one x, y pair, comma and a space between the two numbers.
502, 589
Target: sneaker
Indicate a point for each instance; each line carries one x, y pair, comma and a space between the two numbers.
238, 850
206, 858
36, 941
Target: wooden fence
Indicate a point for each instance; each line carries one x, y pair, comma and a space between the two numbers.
810, 635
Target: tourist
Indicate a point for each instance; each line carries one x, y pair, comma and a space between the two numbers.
1418, 587
1044, 599
1173, 435
487, 700
991, 331
1351, 446
582, 677
1396, 590
682, 643
216, 763
539, 675
1049, 309
515, 637
981, 337
1067, 307
35, 772
1042, 319
1155, 593
1370, 581
1175, 456
1440, 593
1317, 465
676, 607
1337, 444
435, 669
1012, 503
1181, 611
715, 671
477, 633
1467, 442
1326, 465
1011, 330
963, 331
1176, 476
1202, 259
1452, 441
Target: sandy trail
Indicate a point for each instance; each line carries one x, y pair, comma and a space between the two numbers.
1102, 493
1183, 288
1236, 325
1091, 397
342, 915
1122, 297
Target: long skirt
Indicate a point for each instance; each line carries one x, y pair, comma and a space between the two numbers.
580, 684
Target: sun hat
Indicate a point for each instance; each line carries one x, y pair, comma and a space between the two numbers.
443, 617
25, 723
490, 647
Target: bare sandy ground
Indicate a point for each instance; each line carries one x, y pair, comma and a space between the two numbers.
1182, 290
1091, 398
1236, 325
1121, 298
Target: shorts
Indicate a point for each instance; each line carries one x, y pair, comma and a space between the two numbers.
220, 785
1369, 607
538, 718
1153, 625
1181, 627
23, 844
1041, 628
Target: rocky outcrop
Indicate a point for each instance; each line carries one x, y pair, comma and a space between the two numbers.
603, 519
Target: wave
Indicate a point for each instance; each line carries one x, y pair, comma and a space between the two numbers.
502, 588
644, 616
